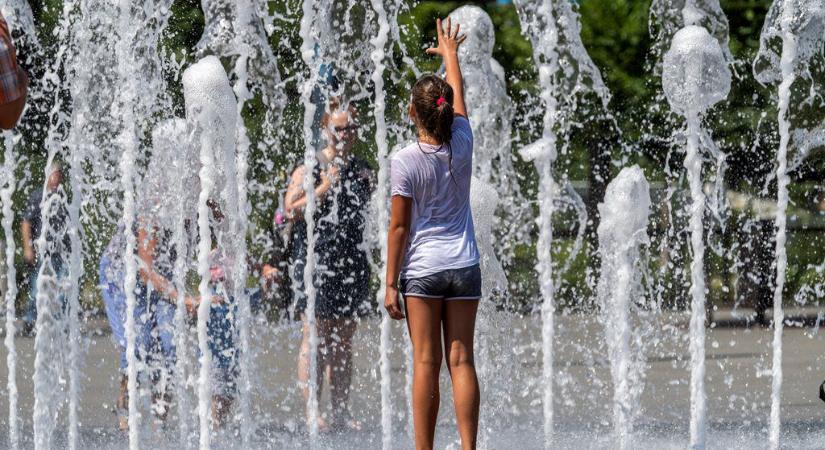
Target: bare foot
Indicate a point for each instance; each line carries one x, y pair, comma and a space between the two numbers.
123, 424
323, 426
347, 423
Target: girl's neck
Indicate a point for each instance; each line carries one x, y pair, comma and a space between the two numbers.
425, 138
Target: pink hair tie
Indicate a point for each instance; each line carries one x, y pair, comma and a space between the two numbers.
440, 101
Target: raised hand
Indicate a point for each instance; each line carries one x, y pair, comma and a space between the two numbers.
448, 41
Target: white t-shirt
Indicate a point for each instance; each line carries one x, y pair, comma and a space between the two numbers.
441, 232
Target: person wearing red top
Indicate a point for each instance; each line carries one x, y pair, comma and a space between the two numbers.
13, 81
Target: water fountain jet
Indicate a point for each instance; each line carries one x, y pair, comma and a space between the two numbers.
622, 230
799, 25
695, 76
211, 107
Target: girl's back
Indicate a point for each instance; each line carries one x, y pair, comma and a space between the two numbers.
437, 178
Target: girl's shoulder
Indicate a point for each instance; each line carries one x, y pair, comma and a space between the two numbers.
406, 153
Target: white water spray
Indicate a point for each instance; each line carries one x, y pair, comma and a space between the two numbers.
565, 71
240, 270
73, 311
211, 106
800, 27
379, 42
308, 54
128, 141
172, 148
6, 193
695, 76
622, 230
543, 153
49, 357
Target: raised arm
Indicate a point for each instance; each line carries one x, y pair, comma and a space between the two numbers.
146, 255
448, 42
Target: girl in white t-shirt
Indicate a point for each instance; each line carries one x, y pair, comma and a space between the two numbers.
432, 258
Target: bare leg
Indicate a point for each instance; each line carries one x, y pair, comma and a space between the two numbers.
459, 327
339, 346
424, 322
221, 405
123, 404
303, 368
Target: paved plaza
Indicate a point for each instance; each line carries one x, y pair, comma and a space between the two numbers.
738, 388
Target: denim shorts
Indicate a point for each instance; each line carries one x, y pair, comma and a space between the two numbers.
452, 284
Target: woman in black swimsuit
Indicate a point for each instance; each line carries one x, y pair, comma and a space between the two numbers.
342, 272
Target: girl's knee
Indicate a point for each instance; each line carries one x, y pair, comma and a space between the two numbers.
460, 356
428, 360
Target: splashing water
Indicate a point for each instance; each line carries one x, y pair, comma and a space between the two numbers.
211, 107
170, 138
379, 42
543, 153
308, 54
118, 106
695, 76
667, 17
6, 192
622, 230
565, 70
798, 26
240, 271
50, 287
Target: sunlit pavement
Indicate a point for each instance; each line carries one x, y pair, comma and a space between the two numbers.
738, 389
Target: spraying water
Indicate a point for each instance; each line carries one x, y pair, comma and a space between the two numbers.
667, 17
308, 54
565, 73
534, 19
491, 364
491, 111
211, 106
236, 28
18, 14
379, 42
798, 26
49, 356
172, 149
622, 230
786, 63
240, 270
6, 193
138, 93
695, 76
73, 311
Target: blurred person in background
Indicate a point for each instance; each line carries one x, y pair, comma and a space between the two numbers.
56, 242
14, 83
343, 185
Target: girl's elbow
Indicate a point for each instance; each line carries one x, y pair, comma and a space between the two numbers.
398, 230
